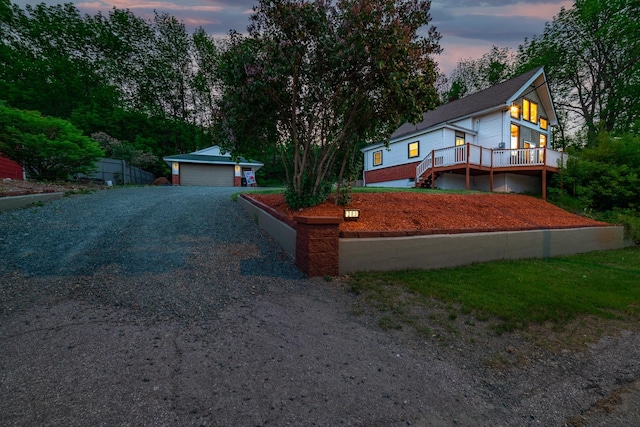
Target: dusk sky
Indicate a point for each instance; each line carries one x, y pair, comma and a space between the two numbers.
469, 28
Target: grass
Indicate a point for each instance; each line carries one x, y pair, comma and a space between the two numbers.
518, 293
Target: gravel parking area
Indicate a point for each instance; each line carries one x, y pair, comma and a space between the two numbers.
168, 306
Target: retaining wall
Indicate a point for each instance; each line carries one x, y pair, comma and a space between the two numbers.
450, 250
433, 251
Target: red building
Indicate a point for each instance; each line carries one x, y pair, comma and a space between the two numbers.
10, 169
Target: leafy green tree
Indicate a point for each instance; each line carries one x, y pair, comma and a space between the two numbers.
473, 75
606, 176
51, 63
205, 54
123, 150
47, 148
591, 55
316, 78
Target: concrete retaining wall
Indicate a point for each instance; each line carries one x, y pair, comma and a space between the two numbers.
448, 250
15, 202
284, 234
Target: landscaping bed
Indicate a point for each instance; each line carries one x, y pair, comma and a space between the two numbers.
412, 213
14, 187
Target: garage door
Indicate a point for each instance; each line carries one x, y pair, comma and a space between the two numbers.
206, 175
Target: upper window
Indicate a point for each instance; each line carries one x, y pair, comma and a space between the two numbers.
459, 138
515, 111
377, 158
544, 123
529, 111
414, 149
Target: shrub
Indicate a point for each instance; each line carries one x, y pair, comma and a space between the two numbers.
47, 148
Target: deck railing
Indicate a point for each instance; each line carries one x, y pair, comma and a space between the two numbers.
496, 158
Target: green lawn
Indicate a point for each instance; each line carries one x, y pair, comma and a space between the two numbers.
520, 293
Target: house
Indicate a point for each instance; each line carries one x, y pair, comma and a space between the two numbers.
493, 140
211, 167
10, 169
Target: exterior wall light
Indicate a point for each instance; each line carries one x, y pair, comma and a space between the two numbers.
351, 214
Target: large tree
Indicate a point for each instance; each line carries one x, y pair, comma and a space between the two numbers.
473, 75
316, 78
591, 55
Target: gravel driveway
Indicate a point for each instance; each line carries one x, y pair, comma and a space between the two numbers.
168, 306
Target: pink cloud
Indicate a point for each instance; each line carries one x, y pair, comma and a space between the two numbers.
542, 10
160, 5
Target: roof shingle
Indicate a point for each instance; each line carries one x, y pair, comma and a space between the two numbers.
489, 98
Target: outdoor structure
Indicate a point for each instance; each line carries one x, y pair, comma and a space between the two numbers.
319, 248
10, 169
118, 172
210, 167
493, 140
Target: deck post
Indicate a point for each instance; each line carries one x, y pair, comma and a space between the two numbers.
491, 172
467, 168
433, 166
544, 173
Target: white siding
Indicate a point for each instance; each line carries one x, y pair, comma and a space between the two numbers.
490, 130
465, 123
453, 181
509, 183
398, 183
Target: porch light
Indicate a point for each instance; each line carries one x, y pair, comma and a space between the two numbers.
351, 214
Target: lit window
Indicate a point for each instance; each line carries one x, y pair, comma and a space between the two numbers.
534, 112
377, 158
414, 149
515, 136
544, 123
515, 111
460, 139
543, 140
529, 111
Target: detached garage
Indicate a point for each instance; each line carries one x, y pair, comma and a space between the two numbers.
209, 167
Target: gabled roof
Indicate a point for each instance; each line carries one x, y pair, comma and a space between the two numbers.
489, 99
211, 155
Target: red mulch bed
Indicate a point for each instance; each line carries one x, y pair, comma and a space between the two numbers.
408, 213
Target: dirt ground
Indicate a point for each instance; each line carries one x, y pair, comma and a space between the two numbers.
15, 187
122, 307
430, 212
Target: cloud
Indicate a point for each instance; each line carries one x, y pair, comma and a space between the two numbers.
469, 28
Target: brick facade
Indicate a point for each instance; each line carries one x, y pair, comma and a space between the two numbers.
317, 244
391, 173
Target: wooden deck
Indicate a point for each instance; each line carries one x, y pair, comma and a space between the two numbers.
473, 159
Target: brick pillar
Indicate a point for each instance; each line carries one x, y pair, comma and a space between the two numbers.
175, 179
237, 181
317, 245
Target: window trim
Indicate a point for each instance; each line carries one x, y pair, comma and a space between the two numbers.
379, 163
417, 149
